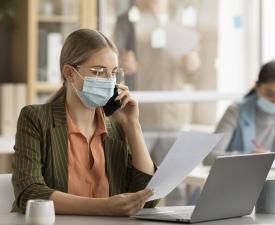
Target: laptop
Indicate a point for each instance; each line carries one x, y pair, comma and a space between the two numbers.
231, 190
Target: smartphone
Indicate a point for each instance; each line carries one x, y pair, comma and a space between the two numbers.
112, 105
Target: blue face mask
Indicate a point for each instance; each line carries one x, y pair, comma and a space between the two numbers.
96, 91
266, 105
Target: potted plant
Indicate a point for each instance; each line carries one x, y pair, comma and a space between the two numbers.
7, 13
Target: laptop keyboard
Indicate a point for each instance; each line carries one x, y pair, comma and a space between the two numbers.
181, 214
174, 215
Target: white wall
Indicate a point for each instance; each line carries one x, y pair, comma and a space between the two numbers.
238, 47
268, 29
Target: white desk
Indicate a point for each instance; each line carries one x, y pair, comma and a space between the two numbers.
6, 152
18, 219
6, 144
198, 176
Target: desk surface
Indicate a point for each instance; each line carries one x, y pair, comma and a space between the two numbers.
18, 219
6, 145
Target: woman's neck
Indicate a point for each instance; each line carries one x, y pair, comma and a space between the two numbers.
83, 117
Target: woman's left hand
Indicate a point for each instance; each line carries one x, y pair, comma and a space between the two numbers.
128, 111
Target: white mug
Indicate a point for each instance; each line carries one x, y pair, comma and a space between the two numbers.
266, 200
40, 212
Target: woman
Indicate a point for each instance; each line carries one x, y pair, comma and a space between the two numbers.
67, 151
249, 126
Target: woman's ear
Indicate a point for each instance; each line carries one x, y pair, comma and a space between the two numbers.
68, 72
257, 87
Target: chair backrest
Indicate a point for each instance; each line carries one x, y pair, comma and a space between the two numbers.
6, 193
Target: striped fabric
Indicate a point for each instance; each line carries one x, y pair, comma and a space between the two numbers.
40, 165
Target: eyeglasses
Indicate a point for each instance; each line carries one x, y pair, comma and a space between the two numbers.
103, 72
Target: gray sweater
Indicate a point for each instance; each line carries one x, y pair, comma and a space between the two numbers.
265, 132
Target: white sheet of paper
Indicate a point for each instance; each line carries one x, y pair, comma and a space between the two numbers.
187, 152
180, 40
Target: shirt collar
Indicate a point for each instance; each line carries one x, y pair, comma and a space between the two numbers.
100, 129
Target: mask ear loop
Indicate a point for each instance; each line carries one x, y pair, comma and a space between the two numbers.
79, 76
78, 73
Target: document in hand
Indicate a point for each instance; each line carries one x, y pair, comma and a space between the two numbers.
187, 152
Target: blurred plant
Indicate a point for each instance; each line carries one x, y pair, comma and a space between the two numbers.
7, 12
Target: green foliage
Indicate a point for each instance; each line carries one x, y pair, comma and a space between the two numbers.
8, 11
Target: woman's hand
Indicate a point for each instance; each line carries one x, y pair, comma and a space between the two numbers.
129, 62
259, 150
128, 112
127, 204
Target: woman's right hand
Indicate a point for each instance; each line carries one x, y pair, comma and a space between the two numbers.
127, 204
259, 150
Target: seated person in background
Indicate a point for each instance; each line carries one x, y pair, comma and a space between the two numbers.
66, 150
249, 125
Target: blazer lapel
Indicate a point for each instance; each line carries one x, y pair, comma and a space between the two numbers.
60, 143
114, 162
107, 155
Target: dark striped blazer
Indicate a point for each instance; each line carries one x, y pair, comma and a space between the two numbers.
40, 164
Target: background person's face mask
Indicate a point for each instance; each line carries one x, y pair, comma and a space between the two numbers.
96, 91
266, 105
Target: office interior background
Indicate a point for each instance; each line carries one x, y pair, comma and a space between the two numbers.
185, 60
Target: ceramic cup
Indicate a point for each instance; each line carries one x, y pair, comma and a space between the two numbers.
266, 200
40, 212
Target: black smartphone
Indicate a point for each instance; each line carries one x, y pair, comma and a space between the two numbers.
112, 105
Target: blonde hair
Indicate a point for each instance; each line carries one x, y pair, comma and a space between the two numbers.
78, 47
81, 44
